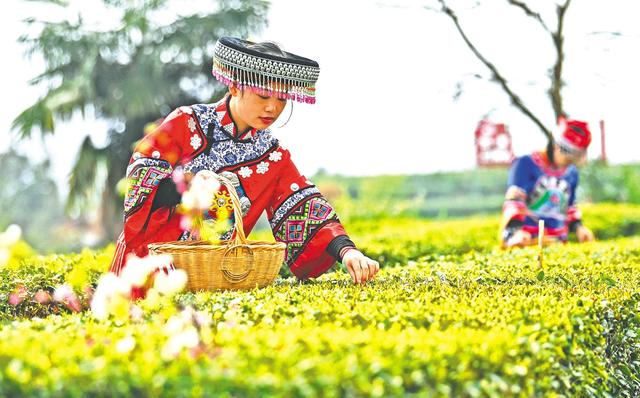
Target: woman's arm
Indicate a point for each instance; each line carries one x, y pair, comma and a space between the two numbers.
303, 219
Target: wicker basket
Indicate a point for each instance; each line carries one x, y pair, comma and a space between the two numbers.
236, 264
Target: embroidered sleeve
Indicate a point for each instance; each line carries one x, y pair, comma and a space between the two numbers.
177, 138
303, 219
514, 209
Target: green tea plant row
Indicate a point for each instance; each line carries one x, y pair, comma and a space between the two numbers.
391, 241
396, 240
459, 317
477, 324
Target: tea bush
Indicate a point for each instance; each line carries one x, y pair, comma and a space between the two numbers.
457, 318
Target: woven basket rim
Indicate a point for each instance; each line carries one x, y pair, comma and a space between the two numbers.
204, 245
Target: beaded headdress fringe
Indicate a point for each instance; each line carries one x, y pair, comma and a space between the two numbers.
265, 76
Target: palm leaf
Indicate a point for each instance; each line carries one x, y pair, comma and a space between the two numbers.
85, 177
37, 117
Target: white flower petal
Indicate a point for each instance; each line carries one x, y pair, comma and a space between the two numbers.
62, 292
126, 345
275, 156
192, 124
12, 235
195, 141
245, 172
170, 283
262, 167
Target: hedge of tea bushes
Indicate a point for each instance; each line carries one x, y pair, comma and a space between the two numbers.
30, 275
391, 241
396, 241
475, 324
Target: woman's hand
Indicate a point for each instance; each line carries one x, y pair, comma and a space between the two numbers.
360, 267
584, 234
520, 238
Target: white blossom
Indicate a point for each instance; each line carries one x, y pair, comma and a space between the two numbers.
170, 283
62, 292
136, 272
275, 156
262, 167
186, 339
245, 172
109, 285
11, 236
126, 345
174, 325
195, 141
201, 191
4, 256
192, 124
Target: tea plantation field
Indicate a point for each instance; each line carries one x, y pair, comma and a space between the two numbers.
448, 315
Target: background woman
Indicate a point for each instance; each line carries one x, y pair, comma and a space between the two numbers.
542, 186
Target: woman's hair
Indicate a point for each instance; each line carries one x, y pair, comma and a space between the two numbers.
268, 47
550, 154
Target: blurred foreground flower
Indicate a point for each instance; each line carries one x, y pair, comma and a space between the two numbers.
200, 213
8, 238
171, 282
18, 295
64, 294
187, 330
11, 236
42, 297
126, 345
202, 189
152, 276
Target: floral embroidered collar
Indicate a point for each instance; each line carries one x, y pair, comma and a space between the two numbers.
542, 160
223, 113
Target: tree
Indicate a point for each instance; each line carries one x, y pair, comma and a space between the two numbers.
557, 39
29, 198
155, 59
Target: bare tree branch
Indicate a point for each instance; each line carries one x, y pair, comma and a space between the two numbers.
515, 99
556, 72
529, 12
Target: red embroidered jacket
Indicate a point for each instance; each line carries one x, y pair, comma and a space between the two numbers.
204, 137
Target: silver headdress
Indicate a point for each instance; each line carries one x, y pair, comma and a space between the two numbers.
243, 64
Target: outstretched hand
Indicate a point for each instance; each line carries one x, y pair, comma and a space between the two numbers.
360, 267
584, 234
520, 238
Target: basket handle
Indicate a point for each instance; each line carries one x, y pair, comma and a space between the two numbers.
228, 274
239, 237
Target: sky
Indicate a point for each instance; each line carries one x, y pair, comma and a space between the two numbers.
389, 73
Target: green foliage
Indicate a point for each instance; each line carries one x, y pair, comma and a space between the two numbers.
46, 273
457, 194
439, 195
602, 183
146, 58
449, 322
29, 198
458, 325
397, 240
